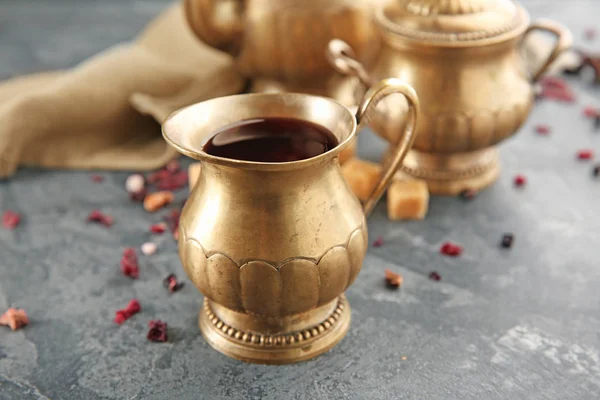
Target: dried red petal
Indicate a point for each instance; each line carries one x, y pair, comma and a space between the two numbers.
121, 316
451, 249
138, 196
97, 178
520, 180
591, 112
585, 154
393, 279
171, 283
542, 129
158, 228
434, 276
174, 182
133, 307
556, 89
129, 263
378, 242
10, 219
157, 331
158, 176
99, 217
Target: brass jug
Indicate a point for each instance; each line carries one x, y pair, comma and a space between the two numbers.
281, 44
273, 246
462, 57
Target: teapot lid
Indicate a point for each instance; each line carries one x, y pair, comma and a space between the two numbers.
454, 23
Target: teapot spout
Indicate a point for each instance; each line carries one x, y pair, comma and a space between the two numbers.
218, 23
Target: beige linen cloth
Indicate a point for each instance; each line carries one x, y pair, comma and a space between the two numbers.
102, 114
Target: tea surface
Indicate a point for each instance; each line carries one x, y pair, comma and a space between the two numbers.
271, 140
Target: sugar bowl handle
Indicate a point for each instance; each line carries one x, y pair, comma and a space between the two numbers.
373, 95
341, 56
564, 39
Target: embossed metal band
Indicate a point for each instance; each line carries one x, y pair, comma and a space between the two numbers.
287, 339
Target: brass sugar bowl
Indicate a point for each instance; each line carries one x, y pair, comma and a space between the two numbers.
463, 59
280, 45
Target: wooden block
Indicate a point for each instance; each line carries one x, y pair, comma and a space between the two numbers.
361, 176
407, 199
348, 152
193, 173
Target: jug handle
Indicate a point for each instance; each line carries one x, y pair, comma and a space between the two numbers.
373, 95
341, 56
564, 39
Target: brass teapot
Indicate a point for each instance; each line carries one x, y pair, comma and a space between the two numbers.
280, 44
462, 57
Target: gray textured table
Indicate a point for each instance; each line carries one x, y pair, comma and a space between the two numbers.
516, 324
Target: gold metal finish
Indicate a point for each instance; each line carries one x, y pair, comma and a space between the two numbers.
273, 246
462, 57
280, 44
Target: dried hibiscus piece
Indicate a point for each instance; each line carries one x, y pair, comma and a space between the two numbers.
129, 263
520, 180
173, 166
97, 178
174, 182
99, 217
507, 240
392, 279
591, 112
451, 249
468, 194
556, 89
15, 318
161, 227
157, 331
542, 129
434, 276
378, 242
585, 154
155, 201
171, 283
10, 219
132, 308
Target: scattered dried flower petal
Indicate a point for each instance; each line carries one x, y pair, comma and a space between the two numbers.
138, 196
135, 183
132, 308
591, 112
468, 194
129, 263
520, 180
542, 129
97, 178
585, 154
149, 248
434, 276
10, 219
157, 331
556, 89
378, 242
507, 240
155, 201
99, 217
15, 318
171, 283
451, 249
176, 181
161, 227
393, 279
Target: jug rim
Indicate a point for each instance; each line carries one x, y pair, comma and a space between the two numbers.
190, 112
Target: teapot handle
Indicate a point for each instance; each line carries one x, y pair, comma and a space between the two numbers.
341, 56
373, 95
564, 39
